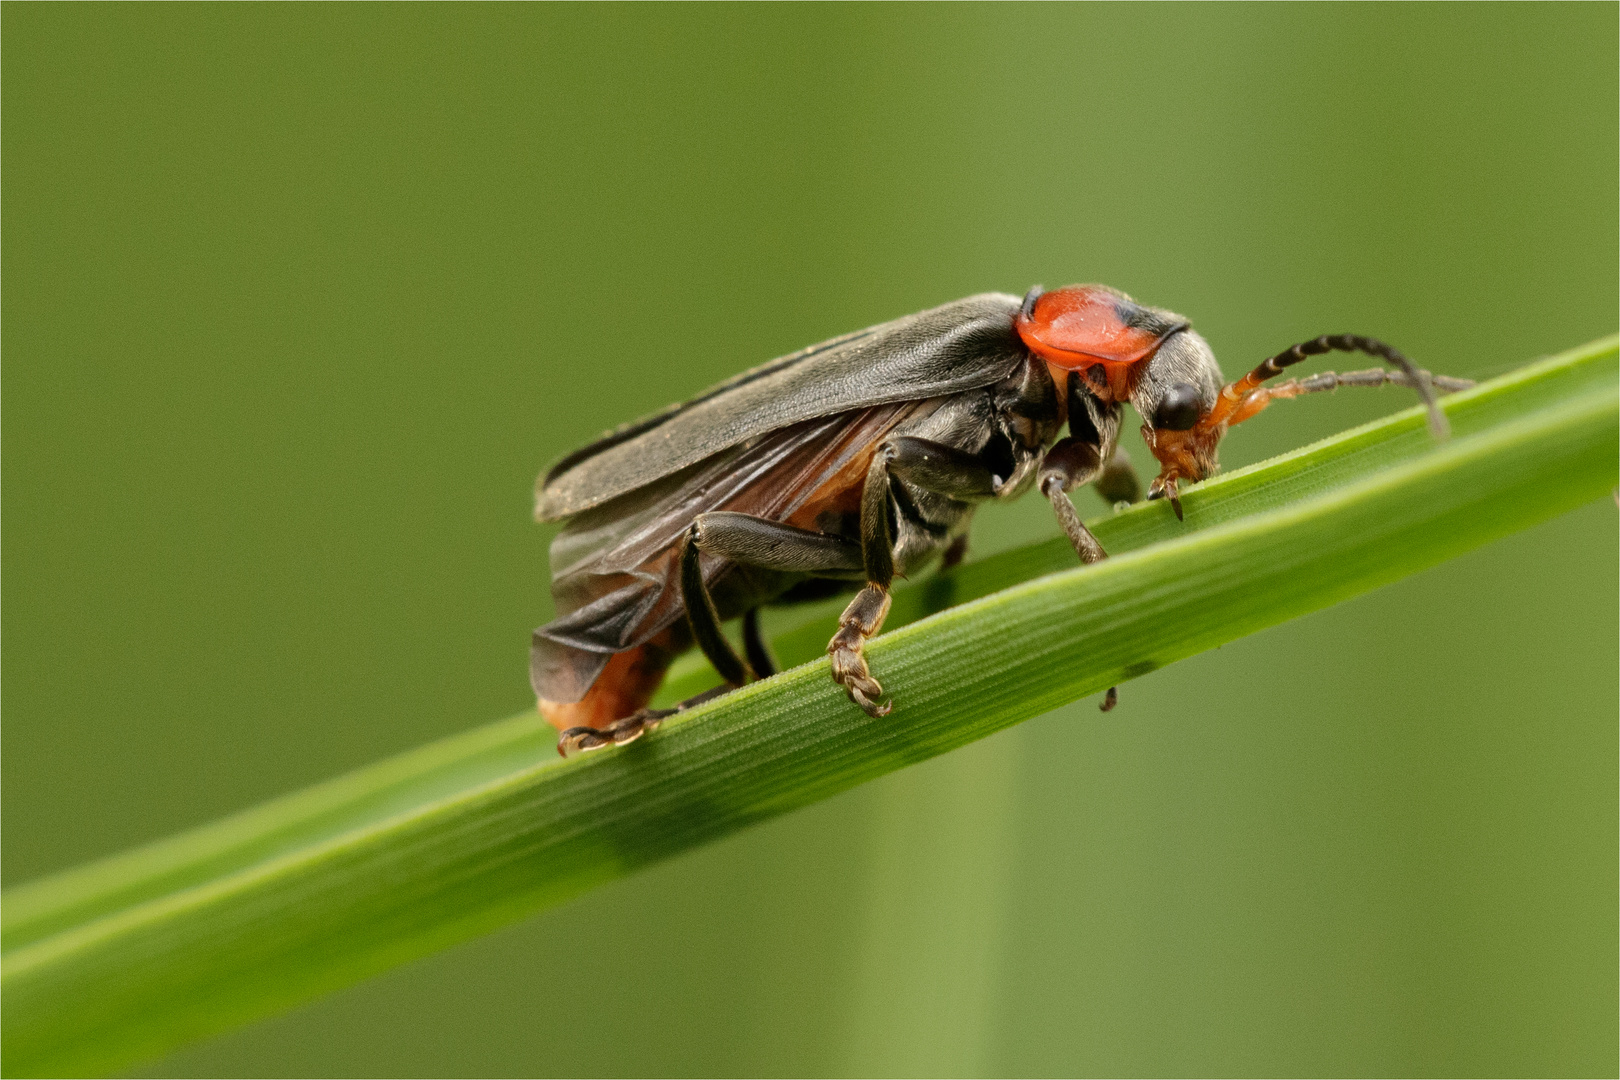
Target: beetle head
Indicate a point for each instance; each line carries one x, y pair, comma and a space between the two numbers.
1178, 395
1186, 421
1127, 351
1152, 358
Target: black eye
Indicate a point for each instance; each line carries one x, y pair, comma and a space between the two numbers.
1178, 410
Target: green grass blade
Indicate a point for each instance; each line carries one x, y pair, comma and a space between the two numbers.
130, 957
1324, 466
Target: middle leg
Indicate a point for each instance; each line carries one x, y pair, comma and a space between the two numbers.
929, 465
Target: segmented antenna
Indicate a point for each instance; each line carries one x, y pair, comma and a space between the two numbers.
1420, 379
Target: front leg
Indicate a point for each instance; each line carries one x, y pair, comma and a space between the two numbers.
1118, 483
1070, 463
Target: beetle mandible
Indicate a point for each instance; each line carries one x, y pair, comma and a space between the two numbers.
845, 464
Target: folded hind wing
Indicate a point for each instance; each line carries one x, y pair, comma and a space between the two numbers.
615, 567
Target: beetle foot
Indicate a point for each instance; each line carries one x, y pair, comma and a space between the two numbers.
860, 621
849, 670
618, 733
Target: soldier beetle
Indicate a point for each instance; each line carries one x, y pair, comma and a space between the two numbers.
842, 465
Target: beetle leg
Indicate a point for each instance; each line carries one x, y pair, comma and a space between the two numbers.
770, 545
863, 618
1118, 482
1070, 463
774, 546
752, 541
618, 733
936, 467
756, 648
701, 613
628, 730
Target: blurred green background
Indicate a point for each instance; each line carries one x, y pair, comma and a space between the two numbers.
298, 300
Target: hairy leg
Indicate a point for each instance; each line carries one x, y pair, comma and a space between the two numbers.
629, 729
929, 465
1069, 464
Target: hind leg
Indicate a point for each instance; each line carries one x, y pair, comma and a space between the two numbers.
750, 541
596, 729
614, 710
629, 729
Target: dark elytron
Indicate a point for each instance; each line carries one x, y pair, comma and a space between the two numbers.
862, 458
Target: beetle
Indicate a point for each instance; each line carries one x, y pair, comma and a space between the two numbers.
848, 463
